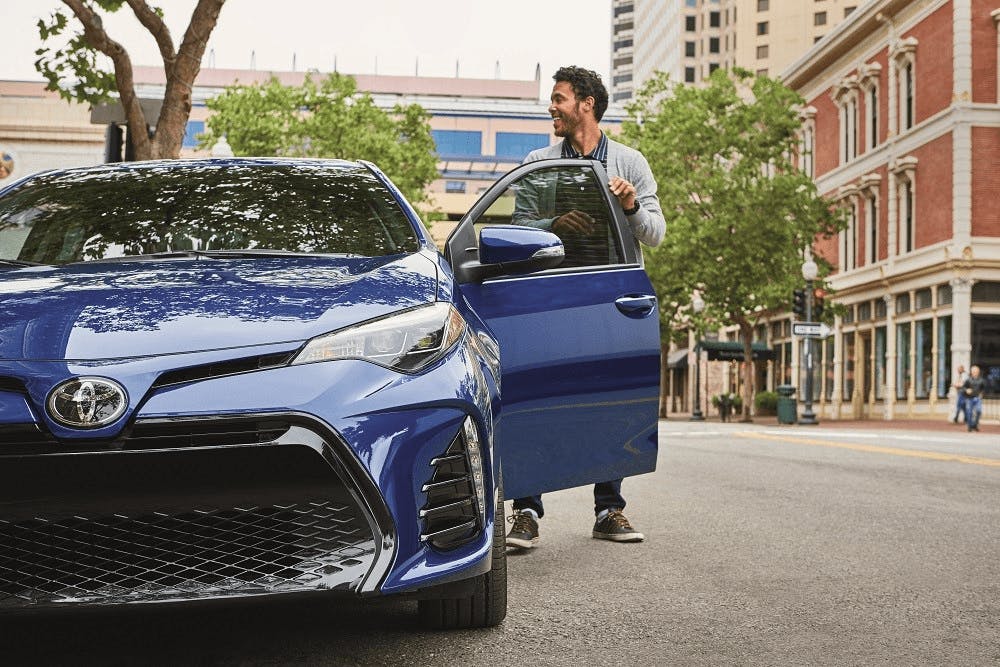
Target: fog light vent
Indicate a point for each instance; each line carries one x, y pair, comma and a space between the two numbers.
454, 512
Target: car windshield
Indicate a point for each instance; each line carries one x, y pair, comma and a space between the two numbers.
118, 211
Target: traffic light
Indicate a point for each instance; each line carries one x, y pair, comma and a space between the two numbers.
799, 302
818, 295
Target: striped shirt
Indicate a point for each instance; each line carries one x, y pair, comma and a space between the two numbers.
600, 153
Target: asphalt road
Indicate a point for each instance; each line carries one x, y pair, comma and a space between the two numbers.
765, 546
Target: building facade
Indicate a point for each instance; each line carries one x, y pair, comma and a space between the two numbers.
690, 39
902, 128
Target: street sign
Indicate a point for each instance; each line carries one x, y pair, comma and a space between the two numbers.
811, 329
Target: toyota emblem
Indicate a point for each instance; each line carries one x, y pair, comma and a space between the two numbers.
87, 402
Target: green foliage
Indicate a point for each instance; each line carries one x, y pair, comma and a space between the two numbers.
328, 119
735, 401
75, 62
766, 402
739, 212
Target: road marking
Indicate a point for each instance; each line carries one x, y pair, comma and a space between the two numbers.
876, 436
875, 449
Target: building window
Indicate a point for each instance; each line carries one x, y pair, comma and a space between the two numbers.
922, 299
944, 356
712, 67
903, 303
879, 363
690, 24
848, 11
689, 49
871, 227
907, 90
762, 51
517, 145
819, 18
458, 143
623, 44
903, 369
688, 75
807, 149
847, 99
864, 311
762, 27
816, 39
849, 240
924, 365
713, 44
763, 5
849, 350
691, 3
907, 230
944, 295
714, 19
871, 127
454, 187
903, 57
623, 9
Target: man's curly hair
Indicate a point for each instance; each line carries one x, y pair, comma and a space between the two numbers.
585, 83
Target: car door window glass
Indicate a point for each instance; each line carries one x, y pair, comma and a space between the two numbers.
540, 198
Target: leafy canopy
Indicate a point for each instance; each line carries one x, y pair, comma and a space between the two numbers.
328, 119
739, 211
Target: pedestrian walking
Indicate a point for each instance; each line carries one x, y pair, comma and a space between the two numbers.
973, 388
577, 104
960, 377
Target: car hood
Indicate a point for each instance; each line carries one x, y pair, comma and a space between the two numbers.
116, 310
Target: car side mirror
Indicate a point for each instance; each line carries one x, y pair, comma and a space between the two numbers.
514, 250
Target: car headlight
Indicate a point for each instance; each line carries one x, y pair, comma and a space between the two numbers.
406, 341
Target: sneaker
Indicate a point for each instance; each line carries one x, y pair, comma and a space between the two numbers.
615, 527
523, 531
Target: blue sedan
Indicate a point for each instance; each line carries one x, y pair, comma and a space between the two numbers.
231, 378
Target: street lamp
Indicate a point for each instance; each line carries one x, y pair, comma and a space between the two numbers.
698, 305
809, 271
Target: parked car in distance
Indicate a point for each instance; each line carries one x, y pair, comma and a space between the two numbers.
251, 377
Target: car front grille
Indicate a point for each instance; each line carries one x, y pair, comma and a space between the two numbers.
208, 552
190, 523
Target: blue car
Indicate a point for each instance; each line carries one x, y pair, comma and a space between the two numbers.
245, 377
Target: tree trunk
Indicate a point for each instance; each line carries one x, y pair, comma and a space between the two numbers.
746, 334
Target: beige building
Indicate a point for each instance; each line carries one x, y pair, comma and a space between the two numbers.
690, 39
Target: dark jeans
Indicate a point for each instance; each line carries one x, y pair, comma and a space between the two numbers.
959, 406
607, 495
973, 410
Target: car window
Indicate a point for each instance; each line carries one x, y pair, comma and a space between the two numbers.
110, 212
539, 198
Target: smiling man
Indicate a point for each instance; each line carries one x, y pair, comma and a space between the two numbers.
578, 103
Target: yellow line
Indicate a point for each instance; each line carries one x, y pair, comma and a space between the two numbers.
874, 449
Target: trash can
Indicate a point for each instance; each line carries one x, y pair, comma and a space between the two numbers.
786, 404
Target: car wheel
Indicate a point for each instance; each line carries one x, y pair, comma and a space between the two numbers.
487, 606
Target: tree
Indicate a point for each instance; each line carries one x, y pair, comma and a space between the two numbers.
78, 62
740, 214
329, 119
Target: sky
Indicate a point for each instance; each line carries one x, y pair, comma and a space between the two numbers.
372, 36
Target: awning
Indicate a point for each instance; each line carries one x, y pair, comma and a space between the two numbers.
678, 359
726, 350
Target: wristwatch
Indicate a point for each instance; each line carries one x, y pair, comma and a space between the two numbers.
634, 209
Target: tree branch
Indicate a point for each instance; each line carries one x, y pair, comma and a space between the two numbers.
158, 29
93, 32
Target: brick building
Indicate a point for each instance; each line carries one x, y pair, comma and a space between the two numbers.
902, 128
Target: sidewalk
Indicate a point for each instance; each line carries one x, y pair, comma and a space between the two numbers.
936, 425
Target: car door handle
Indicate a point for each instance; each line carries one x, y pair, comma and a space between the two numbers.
636, 305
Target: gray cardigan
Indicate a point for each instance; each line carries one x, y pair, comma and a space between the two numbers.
648, 224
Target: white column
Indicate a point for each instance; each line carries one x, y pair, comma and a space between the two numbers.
962, 50
961, 322
890, 355
836, 398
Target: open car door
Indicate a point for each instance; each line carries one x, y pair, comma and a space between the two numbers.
579, 344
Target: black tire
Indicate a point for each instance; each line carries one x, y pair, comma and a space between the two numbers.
487, 606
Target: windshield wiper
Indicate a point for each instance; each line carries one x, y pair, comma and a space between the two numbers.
214, 254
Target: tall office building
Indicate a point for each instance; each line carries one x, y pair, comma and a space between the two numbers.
622, 30
690, 39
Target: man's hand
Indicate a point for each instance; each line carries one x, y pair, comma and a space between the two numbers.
624, 191
574, 222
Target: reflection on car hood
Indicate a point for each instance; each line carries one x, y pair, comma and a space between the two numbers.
131, 309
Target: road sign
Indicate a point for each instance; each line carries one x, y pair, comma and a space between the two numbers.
811, 329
